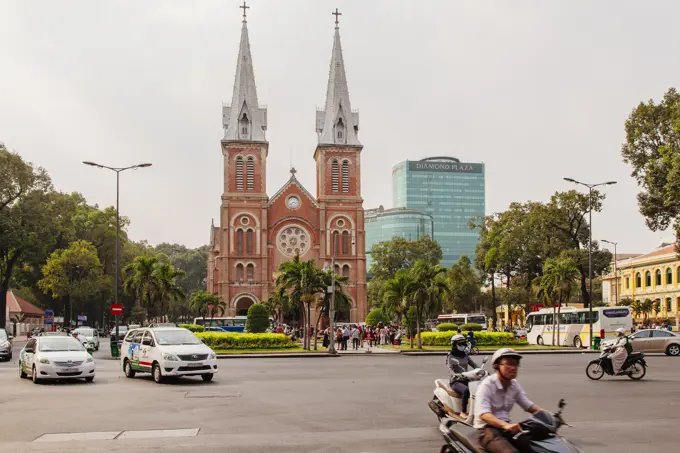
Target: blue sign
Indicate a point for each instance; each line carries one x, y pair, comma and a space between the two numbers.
49, 317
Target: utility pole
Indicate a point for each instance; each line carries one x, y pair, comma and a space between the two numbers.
616, 272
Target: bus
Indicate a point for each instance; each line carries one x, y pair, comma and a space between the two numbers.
464, 318
228, 324
574, 325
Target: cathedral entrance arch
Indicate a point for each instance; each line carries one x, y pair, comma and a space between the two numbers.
241, 303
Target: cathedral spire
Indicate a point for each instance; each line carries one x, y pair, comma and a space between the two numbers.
336, 124
244, 119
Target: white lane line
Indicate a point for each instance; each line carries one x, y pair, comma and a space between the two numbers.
153, 433
66, 437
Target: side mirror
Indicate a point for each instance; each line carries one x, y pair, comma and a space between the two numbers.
146, 342
485, 359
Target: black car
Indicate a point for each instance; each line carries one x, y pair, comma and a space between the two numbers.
5, 345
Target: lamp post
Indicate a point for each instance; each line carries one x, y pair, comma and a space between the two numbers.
590, 248
331, 309
616, 272
212, 313
118, 171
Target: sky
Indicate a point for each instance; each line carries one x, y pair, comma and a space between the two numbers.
536, 90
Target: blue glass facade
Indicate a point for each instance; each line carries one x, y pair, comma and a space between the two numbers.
382, 225
453, 192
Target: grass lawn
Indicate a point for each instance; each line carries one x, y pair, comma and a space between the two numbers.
295, 350
405, 347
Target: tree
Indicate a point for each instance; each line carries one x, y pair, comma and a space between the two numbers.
559, 279
140, 279
652, 148
411, 320
341, 303
464, 287
257, 320
278, 304
201, 300
636, 308
647, 307
166, 288
426, 286
626, 302
398, 253
656, 307
375, 317
395, 298
75, 272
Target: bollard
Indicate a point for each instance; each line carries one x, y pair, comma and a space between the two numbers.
115, 352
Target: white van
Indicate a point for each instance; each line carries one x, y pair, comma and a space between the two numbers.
166, 352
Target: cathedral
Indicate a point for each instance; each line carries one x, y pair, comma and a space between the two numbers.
256, 232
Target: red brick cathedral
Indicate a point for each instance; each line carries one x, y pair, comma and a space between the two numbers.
257, 232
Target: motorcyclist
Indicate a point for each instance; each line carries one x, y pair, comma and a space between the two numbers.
496, 396
461, 364
620, 350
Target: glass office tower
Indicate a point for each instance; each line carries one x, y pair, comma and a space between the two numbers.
452, 192
383, 224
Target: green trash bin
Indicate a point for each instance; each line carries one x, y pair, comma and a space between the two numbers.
596, 343
115, 351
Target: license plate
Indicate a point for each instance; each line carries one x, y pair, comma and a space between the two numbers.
194, 364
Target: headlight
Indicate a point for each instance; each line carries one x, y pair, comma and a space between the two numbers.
4, 344
170, 357
44, 360
89, 360
212, 356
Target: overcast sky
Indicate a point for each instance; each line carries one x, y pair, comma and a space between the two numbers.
536, 90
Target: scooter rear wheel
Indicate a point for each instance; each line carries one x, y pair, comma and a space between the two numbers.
637, 371
595, 371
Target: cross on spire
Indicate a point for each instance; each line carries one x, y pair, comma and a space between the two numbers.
292, 172
244, 7
336, 14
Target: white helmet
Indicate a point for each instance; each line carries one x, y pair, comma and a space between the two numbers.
504, 352
458, 338
621, 331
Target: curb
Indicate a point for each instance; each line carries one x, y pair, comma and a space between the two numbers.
524, 352
275, 355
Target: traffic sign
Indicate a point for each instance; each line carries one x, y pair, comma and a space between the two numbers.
49, 317
116, 309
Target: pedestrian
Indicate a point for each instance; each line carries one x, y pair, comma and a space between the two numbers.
355, 338
326, 339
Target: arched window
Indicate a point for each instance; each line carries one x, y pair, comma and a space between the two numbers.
244, 126
669, 276
345, 177
345, 270
249, 241
239, 272
250, 178
239, 242
669, 304
336, 243
648, 278
336, 269
345, 243
239, 173
250, 272
335, 170
340, 131
658, 277
638, 281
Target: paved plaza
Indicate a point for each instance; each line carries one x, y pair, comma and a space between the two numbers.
356, 403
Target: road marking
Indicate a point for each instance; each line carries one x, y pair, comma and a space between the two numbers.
66, 437
153, 433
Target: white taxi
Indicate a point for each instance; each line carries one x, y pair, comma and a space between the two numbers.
55, 357
167, 352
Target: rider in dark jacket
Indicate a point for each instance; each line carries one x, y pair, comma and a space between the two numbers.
458, 345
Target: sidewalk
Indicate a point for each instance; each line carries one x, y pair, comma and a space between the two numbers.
521, 351
365, 350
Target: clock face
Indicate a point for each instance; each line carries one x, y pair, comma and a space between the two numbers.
293, 202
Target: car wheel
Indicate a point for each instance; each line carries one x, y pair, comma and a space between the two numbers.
127, 369
578, 344
207, 377
34, 376
673, 349
22, 373
89, 379
157, 375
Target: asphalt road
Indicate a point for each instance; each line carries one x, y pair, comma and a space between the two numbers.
347, 404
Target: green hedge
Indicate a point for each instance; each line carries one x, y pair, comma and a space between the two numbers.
472, 327
235, 340
192, 327
446, 327
482, 338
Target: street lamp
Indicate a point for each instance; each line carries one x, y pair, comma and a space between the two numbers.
590, 247
616, 273
118, 170
211, 308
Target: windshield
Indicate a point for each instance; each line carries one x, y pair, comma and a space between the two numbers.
52, 344
3, 335
174, 337
86, 332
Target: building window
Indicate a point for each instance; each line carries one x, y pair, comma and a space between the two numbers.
669, 276
250, 272
345, 177
340, 131
336, 243
239, 173
648, 279
345, 270
244, 124
669, 305
638, 280
658, 277
627, 282
336, 269
239, 272
249, 241
335, 170
345, 243
239, 242
250, 178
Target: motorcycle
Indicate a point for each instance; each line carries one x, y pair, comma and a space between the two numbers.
471, 349
446, 402
541, 430
635, 366
89, 346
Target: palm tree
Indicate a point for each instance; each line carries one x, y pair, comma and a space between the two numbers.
636, 308
427, 283
342, 301
561, 273
656, 306
201, 300
545, 291
647, 307
303, 281
395, 295
140, 280
278, 304
166, 287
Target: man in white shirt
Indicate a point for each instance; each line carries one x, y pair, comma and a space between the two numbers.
495, 397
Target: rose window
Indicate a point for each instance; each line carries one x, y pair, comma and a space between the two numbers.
293, 240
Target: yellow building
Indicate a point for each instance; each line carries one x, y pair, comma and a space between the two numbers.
654, 276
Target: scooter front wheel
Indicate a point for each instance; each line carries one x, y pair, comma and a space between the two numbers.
594, 371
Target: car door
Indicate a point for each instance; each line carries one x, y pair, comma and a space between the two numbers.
28, 354
659, 340
640, 341
134, 348
148, 351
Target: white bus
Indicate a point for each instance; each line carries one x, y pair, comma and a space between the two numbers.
226, 323
464, 318
574, 325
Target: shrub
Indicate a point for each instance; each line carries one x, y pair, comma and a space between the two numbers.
257, 320
446, 327
375, 317
472, 327
235, 340
482, 338
192, 327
